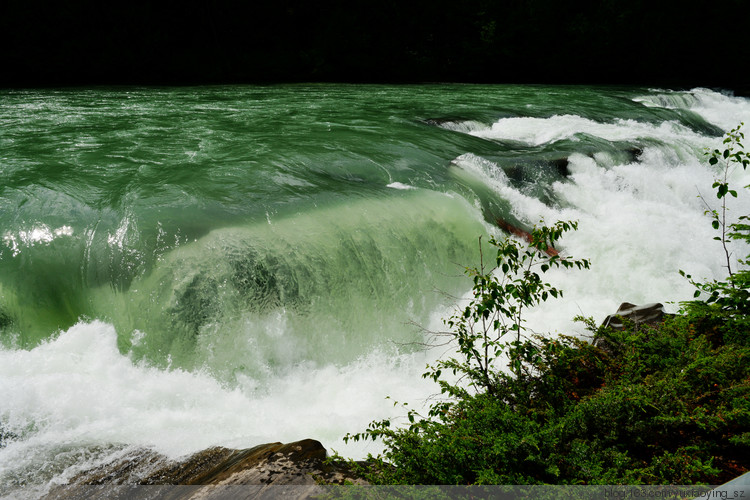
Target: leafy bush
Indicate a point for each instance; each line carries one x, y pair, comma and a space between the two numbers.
653, 406
725, 311
493, 320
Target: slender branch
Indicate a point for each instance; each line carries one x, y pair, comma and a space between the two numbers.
724, 223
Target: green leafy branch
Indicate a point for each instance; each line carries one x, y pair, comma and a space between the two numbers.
493, 320
733, 155
732, 296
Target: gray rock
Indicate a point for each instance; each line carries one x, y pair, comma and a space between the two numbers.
274, 470
647, 314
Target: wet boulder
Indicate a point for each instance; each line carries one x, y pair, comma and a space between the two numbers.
273, 470
647, 314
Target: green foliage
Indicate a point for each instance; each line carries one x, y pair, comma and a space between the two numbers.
726, 308
652, 406
732, 156
493, 320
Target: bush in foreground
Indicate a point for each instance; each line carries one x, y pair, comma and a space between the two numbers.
648, 405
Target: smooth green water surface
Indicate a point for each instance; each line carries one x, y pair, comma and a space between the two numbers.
192, 217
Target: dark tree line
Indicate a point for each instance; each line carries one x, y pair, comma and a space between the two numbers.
547, 41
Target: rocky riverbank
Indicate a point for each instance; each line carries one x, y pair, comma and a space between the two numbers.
292, 470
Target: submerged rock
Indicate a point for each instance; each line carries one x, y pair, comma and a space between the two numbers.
5, 320
561, 164
261, 471
521, 233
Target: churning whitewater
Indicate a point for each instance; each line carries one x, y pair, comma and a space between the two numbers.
189, 267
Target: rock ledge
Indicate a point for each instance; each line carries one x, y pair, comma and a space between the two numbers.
213, 473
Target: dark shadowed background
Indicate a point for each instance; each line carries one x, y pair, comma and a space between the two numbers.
542, 41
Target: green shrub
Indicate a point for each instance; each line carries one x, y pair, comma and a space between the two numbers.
663, 406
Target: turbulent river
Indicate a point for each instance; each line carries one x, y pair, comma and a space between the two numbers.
188, 267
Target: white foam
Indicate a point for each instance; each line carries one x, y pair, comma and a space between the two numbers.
724, 110
463, 126
78, 391
483, 167
538, 131
399, 185
492, 175
36, 235
639, 223
78, 388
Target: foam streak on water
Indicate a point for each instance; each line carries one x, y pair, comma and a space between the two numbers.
182, 268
